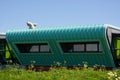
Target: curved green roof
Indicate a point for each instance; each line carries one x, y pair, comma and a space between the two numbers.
58, 33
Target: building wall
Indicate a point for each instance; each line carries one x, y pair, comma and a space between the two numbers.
53, 36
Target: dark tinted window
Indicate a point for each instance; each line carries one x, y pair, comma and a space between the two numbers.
72, 47
78, 47
92, 47
44, 48
33, 48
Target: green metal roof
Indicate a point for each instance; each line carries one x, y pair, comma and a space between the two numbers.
54, 35
58, 33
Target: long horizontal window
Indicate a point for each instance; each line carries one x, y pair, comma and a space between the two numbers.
33, 48
76, 47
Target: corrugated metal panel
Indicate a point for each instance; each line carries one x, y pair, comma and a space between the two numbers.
63, 34
58, 33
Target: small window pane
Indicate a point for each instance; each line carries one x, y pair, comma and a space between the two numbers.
23, 48
67, 47
78, 47
44, 48
91, 47
34, 48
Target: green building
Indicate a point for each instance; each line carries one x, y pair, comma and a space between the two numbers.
68, 45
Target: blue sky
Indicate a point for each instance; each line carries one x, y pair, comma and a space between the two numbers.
15, 13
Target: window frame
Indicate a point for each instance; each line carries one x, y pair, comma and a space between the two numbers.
83, 43
33, 44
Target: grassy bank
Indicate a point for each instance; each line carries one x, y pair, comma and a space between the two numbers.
58, 74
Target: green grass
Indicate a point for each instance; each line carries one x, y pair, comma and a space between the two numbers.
55, 74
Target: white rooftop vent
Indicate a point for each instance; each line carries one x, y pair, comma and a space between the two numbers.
31, 25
